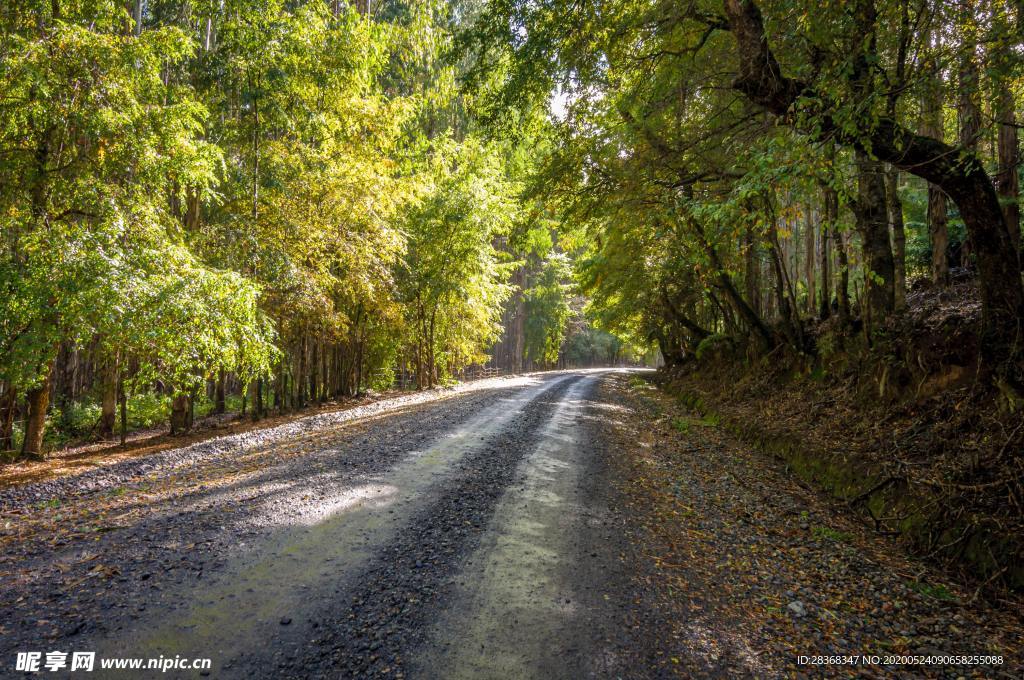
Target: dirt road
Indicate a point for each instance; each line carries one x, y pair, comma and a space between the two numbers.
453, 537
560, 525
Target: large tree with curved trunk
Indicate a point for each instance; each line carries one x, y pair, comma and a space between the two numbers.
958, 173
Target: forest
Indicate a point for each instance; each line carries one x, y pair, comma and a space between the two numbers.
329, 328
214, 206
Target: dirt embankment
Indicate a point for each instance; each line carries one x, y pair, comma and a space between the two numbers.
899, 428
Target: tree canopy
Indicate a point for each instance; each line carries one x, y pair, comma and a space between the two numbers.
296, 201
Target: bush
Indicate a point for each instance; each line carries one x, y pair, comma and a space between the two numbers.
78, 418
714, 346
75, 421
382, 379
232, 404
148, 410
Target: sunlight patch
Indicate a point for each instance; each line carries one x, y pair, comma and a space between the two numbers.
308, 511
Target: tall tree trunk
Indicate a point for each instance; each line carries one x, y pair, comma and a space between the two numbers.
8, 405
420, 339
870, 208
256, 396
219, 394
873, 226
300, 373
431, 363
314, 373
137, 8
752, 273
1007, 176
938, 233
892, 176
810, 259
179, 414
931, 126
968, 109
280, 389
123, 399
108, 403
899, 237
784, 298
359, 362
828, 228
843, 287
37, 401
519, 327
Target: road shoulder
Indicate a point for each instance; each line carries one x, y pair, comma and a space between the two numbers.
755, 571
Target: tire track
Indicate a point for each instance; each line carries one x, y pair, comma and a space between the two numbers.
386, 612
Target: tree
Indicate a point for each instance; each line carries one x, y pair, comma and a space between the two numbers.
959, 173
452, 281
94, 148
656, 86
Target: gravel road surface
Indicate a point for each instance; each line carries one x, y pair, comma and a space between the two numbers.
577, 524
453, 535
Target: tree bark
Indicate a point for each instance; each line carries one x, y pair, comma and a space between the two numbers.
123, 398
8, 404
843, 288
256, 398
220, 396
519, 323
137, 9
828, 227
300, 374
751, 318
37, 400
108, 403
672, 355
873, 226
784, 298
810, 243
1007, 176
179, 414
752, 275
931, 126
899, 237
314, 371
678, 317
968, 109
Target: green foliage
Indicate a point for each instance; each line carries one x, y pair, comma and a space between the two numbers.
99, 147
697, 203
452, 282
831, 534
589, 346
294, 194
547, 310
147, 409
713, 344
937, 591
78, 419
681, 425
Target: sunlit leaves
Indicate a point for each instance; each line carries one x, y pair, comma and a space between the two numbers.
96, 146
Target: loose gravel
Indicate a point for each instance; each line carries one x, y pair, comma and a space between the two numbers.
383, 542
